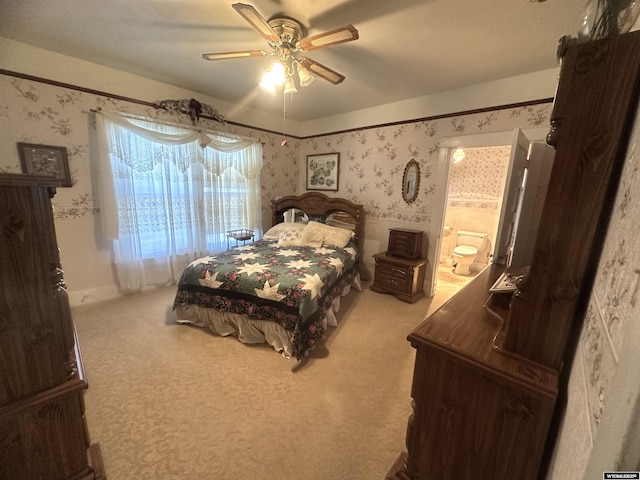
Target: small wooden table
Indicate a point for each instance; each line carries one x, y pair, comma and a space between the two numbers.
241, 235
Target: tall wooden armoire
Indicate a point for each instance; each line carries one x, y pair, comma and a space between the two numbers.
490, 376
43, 431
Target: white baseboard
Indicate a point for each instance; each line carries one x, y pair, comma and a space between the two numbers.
83, 297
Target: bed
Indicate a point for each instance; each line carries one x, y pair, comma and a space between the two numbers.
284, 289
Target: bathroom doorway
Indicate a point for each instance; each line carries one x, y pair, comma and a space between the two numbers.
477, 177
489, 204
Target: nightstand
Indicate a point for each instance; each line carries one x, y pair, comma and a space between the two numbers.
402, 277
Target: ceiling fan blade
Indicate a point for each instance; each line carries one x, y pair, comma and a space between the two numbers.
257, 21
322, 71
241, 54
333, 37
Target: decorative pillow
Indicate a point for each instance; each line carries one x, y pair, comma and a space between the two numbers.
274, 232
290, 238
330, 235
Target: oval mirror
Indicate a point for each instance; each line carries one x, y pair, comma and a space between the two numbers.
411, 181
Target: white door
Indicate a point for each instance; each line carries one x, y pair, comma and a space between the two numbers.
535, 191
513, 189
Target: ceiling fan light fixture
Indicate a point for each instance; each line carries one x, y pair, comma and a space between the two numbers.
285, 36
304, 76
268, 82
278, 73
290, 86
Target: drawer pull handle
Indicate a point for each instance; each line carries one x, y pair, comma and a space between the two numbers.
398, 271
391, 282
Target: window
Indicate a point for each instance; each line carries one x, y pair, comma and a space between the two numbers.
174, 200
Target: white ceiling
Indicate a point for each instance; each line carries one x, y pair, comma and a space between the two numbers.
406, 49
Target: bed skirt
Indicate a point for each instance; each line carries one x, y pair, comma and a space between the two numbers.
256, 331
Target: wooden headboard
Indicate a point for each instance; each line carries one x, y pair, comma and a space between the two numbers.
318, 206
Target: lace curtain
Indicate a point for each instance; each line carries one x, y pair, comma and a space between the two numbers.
168, 195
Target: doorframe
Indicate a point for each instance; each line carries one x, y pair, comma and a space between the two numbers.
441, 179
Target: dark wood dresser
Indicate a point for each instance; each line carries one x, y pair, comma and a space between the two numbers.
489, 385
479, 411
43, 431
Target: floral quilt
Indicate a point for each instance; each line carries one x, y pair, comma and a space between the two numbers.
293, 285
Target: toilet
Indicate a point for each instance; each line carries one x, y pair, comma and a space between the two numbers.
468, 245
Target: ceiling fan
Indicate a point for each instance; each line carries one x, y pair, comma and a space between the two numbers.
285, 36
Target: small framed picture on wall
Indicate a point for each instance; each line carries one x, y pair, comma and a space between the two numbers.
323, 171
45, 160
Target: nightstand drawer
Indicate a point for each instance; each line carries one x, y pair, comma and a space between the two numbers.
394, 278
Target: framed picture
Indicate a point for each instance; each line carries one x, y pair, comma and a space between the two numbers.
323, 171
47, 160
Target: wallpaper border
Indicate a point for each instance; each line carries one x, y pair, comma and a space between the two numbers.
324, 134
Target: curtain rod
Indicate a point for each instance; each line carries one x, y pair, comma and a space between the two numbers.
173, 124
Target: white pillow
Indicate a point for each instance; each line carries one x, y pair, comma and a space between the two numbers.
274, 232
312, 238
331, 235
289, 238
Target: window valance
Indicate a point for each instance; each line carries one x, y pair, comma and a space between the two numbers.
216, 153
148, 130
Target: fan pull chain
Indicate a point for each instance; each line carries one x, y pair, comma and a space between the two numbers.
284, 116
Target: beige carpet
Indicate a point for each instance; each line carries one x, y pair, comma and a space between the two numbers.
168, 401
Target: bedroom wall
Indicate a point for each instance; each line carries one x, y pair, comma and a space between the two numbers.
601, 430
36, 112
372, 163
372, 159
506, 91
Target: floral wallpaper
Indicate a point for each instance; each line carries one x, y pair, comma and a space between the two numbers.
371, 162
39, 113
481, 174
614, 301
